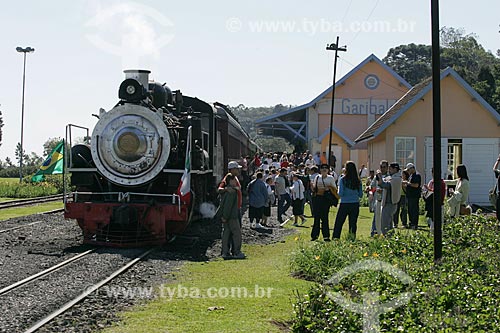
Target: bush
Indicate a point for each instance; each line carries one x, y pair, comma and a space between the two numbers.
25, 190
457, 295
53, 184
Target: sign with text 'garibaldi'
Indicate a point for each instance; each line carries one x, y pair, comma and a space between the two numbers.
358, 106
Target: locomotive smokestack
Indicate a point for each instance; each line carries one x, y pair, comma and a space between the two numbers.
141, 75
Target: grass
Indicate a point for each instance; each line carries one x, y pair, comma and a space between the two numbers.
9, 213
266, 267
10, 181
457, 295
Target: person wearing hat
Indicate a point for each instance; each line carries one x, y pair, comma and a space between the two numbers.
391, 195
229, 216
413, 193
234, 169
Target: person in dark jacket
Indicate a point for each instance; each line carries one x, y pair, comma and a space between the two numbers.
257, 199
413, 193
229, 214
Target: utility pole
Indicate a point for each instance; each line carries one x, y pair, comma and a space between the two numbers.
333, 47
436, 131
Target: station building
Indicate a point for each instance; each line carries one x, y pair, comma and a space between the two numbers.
378, 115
470, 133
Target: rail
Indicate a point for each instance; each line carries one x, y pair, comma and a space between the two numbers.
30, 201
44, 272
86, 293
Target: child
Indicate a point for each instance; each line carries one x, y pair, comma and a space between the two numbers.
228, 212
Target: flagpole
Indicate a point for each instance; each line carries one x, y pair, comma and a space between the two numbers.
64, 173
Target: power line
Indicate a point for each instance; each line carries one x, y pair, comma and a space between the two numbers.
369, 16
347, 11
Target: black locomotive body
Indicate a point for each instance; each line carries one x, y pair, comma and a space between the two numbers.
152, 161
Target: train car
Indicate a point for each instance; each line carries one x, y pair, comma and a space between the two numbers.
151, 162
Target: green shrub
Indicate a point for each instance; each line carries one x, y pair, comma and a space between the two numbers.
53, 184
457, 295
25, 190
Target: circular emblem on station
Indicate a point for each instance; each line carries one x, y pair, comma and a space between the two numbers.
372, 81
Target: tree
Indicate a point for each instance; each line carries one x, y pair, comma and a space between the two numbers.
464, 54
33, 160
486, 85
269, 143
8, 161
49, 146
460, 51
18, 154
412, 62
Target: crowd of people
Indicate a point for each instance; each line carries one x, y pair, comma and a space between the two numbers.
294, 180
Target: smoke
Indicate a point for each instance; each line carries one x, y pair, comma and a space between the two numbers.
207, 210
129, 30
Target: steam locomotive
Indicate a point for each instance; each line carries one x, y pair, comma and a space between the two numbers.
152, 161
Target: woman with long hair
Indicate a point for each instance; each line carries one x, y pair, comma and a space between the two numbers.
350, 191
458, 202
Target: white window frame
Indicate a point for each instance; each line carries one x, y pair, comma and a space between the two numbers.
414, 149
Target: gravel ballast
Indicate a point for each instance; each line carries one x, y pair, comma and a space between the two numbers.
29, 250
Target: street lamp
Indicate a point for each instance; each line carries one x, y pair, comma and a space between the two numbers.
333, 47
23, 50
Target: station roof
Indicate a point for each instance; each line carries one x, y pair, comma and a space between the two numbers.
413, 96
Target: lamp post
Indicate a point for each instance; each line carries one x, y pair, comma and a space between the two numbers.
333, 47
25, 51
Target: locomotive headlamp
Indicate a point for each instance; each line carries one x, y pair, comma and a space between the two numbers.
130, 90
130, 144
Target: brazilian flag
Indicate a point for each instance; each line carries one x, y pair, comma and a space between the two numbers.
52, 165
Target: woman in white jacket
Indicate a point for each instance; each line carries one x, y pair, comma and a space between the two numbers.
461, 194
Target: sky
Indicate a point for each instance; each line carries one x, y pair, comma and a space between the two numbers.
256, 53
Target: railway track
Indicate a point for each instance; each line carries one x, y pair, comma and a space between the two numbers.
31, 201
86, 293
48, 294
43, 273
32, 223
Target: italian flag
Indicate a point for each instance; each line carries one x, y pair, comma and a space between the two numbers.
184, 190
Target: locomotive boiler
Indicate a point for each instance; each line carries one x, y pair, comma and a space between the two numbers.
152, 161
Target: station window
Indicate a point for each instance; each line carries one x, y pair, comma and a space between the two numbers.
404, 150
